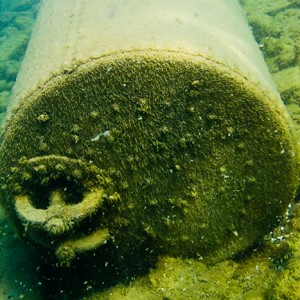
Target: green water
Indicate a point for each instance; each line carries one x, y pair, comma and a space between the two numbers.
270, 271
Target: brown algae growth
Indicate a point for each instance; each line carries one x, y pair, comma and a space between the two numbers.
167, 147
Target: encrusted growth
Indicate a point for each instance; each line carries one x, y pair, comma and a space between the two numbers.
191, 147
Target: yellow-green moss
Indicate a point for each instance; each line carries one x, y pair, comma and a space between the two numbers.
175, 134
68, 250
270, 272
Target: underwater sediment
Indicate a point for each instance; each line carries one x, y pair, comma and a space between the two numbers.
160, 132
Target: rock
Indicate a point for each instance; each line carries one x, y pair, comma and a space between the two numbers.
6, 18
4, 99
12, 69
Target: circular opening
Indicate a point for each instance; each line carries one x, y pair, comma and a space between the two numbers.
41, 176
40, 195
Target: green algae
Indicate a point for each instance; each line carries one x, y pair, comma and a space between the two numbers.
275, 27
268, 272
16, 21
147, 116
277, 33
255, 277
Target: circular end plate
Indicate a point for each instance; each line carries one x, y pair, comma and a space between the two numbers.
196, 152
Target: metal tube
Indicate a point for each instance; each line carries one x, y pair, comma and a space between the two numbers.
160, 114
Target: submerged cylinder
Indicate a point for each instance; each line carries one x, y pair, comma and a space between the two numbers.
151, 123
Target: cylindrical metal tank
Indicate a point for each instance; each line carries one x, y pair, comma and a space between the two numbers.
152, 123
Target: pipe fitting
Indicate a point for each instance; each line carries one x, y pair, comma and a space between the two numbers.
55, 195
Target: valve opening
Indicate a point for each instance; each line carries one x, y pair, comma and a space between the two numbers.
71, 191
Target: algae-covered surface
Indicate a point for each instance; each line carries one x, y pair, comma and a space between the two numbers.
275, 25
16, 20
268, 270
